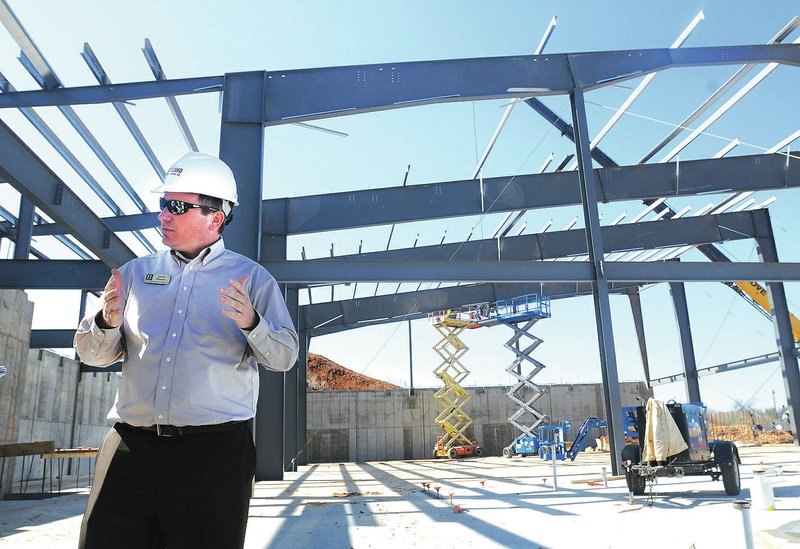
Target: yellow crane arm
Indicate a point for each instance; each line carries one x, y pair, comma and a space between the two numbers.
758, 294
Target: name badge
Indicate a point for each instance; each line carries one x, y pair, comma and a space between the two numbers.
161, 279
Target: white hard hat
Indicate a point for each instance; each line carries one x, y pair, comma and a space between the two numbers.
200, 173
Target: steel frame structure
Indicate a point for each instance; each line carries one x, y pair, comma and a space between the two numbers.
254, 100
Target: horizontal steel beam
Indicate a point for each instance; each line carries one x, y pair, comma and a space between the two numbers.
88, 95
62, 274
337, 316
336, 271
462, 198
311, 94
525, 192
92, 275
616, 238
118, 224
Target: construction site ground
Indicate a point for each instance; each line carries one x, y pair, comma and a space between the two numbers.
475, 502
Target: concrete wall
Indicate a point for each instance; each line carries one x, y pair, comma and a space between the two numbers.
382, 425
43, 393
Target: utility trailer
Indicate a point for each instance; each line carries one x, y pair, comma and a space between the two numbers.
717, 458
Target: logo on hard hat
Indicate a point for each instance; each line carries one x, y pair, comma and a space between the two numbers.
175, 171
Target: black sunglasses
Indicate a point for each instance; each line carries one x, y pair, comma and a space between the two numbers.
179, 207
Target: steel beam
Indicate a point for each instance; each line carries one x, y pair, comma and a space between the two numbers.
311, 94
767, 252
687, 344
102, 78
92, 275
463, 198
335, 271
32, 178
561, 244
172, 103
22, 242
635, 300
90, 95
337, 316
600, 296
62, 274
241, 147
73, 161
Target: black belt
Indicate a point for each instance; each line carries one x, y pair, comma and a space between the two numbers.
175, 431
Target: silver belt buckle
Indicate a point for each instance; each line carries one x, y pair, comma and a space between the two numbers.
158, 431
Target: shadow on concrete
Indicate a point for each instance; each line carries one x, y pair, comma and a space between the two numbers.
427, 506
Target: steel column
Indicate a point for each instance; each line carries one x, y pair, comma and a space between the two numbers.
638, 321
22, 244
781, 322
678, 292
602, 306
302, 394
241, 146
291, 391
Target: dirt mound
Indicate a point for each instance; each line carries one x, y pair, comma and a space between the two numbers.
326, 375
746, 433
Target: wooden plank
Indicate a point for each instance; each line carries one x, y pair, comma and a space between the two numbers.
71, 453
27, 448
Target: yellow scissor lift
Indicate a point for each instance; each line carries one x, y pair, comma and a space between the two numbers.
453, 419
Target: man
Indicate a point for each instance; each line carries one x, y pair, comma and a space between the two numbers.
191, 324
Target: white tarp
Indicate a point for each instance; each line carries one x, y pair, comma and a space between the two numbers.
662, 436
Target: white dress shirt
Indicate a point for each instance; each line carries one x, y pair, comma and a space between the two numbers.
184, 363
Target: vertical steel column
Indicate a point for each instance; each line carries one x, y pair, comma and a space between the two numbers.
767, 252
410, 362
241, 145
22, 243
638, 321
290, 391
602, 306
302, 394
678, 291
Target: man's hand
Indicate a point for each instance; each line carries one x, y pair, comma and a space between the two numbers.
239, 308
113, 301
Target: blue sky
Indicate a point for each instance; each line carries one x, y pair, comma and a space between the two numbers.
440, 143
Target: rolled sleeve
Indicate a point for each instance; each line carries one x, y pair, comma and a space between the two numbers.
273, 346
97, 346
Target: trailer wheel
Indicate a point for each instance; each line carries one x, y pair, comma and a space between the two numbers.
727, 460
453, 453
508, 452
635, 483
479, 451
730, 478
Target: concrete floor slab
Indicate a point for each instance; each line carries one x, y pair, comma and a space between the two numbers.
503, 503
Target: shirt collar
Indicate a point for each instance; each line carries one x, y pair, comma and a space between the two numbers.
205, 256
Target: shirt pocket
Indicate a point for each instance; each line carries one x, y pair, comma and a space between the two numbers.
205, 319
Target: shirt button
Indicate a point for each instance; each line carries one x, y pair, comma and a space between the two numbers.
185, 288
191, 267
163, 387
174, 334
160, 416
169, 359
180, 311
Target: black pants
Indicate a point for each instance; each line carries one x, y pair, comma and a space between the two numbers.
153, 492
